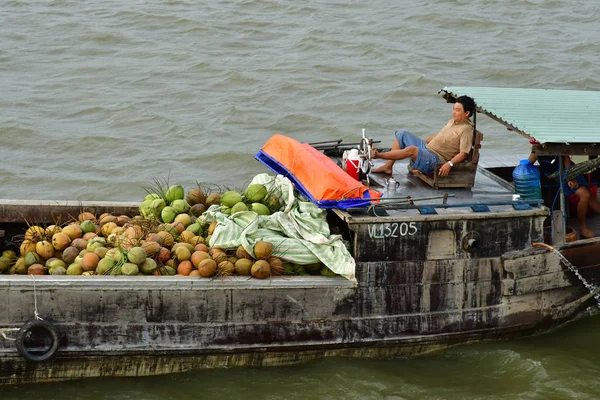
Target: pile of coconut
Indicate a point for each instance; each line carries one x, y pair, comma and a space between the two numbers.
168, 237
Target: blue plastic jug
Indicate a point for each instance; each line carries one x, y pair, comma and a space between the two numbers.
526, 177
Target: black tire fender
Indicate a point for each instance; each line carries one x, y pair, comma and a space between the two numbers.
22, 335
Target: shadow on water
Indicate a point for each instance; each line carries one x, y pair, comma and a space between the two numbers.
562, 364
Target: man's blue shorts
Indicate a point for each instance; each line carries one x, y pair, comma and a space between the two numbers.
426, 159
581, 180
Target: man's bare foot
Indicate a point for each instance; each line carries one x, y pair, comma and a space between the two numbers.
384, 169
587, 233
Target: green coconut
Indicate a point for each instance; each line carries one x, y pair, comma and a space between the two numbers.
32, 258
151, 196
168, 214
327, 272
288, 267
157, 206
146, 208
53, 263
75, 269
255, 192
5, 263
130, 269
58, 271
195, 228
239, 207
87, 226
175, 192
104, 265
225, 210
230, 198
148, 266
19, 267
136, 255
260, 209
180, 206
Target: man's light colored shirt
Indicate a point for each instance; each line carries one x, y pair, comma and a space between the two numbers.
454, 138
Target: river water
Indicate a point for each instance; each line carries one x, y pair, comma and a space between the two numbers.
99, 99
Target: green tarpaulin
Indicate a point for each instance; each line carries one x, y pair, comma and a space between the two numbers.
299, 233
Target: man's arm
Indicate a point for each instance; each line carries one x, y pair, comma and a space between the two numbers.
429, 138
445, 169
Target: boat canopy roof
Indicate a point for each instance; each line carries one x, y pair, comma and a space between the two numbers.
561, 121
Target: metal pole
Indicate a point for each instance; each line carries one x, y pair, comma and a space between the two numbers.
563, 208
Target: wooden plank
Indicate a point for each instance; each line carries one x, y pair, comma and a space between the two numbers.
534, 284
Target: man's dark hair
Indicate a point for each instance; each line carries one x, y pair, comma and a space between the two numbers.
468, 104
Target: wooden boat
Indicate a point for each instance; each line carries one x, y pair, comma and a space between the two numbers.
442, 268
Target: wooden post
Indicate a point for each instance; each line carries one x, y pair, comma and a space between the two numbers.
558, 227
563, 206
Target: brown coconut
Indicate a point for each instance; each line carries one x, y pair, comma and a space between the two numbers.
90, 261
107, 228
107, 219
80, 243
198, 256
85, 216
60, 241
36, 269
262, 250
197, 210
195, 196
201, 247
35, 233
207, 268
260, 269
185, 268
69, 254
151, 248
27, 246
185, 236
73, 230
122, 220
167, 238
220, 257
225, 268
44, 249
243, 266
276, 265
213, 198
163, 255
212, 227
242, 253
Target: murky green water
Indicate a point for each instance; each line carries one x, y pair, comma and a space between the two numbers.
98, 99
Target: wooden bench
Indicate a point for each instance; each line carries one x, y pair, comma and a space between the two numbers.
462, 175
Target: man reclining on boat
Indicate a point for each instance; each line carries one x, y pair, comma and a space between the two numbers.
575, 187
451, 145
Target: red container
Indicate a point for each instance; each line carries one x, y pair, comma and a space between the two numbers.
352, 166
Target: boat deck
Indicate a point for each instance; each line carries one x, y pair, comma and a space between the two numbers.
490, 193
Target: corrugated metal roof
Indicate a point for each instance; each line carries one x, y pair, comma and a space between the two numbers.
548, 116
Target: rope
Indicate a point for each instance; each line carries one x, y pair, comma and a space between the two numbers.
7, 330
589, 286
35, 311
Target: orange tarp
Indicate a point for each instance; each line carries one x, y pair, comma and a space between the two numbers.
317, 173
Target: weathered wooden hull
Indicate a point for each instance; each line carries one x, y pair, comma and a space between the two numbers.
420, 287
